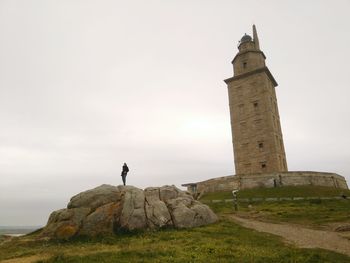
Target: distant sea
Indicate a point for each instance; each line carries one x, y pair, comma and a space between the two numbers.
17, 230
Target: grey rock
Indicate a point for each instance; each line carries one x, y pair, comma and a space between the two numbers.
204, 215
187, 212
156, 210
107, 209
183, 216
187, 201
65, 223
96, 197
55, 215
168, 192
133, 214
101, 221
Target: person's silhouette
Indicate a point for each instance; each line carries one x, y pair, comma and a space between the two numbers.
125, 170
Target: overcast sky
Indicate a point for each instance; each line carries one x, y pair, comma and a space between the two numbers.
88, 85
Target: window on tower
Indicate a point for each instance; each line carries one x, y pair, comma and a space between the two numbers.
256, 104
261, 145
244, 64
263, 165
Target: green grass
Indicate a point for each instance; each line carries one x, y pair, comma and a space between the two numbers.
222, 207
221, 242
216, 196
224, 241
309, 212
285, 191
292, 191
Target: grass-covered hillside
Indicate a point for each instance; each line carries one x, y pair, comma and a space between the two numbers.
221, 242
286, 191
310, 212
293, 191
225, 241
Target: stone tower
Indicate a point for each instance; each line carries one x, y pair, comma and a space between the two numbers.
255, 122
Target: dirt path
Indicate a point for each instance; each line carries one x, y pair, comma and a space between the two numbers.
300, 236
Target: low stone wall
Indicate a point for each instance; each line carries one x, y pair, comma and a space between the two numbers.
298, 178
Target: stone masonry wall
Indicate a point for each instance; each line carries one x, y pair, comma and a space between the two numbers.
229, 183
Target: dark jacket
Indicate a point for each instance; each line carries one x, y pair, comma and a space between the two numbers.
125, 169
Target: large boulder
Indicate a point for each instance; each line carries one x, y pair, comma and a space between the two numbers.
108, 209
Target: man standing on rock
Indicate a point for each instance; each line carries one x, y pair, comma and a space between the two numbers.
125, 170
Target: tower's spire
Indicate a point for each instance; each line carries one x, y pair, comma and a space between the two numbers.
255, 38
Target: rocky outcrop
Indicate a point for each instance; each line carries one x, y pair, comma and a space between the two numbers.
108, 209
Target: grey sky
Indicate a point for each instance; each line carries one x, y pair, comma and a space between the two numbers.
88, 85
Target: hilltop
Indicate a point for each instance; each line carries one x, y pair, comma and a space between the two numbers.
224, 241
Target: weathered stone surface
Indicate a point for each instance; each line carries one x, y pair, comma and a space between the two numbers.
101, 221
187, 212
65, 223
96, 197
133, 214
256, 130
182, 216
168, 192
107, 209
204, 215
156, 210
250, 181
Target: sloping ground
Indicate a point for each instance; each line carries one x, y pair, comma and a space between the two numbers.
293, 191
30, 259
72, 252
225, 241
280, 192
300, 236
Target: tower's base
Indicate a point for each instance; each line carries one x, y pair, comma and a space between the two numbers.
246, 181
